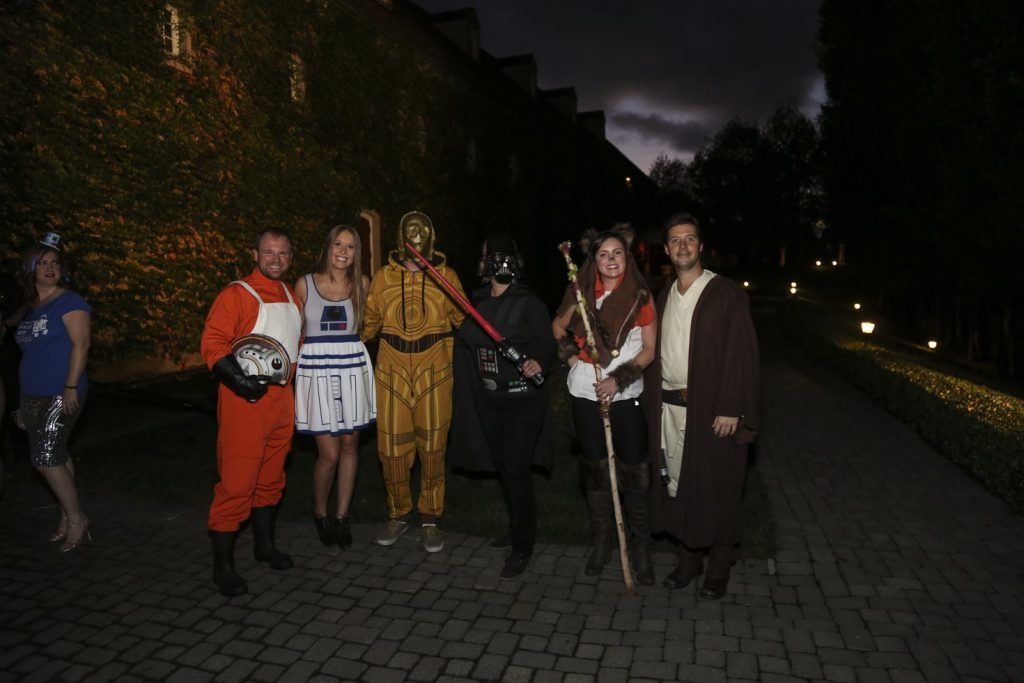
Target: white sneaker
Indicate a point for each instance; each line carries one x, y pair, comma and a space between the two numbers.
432, 539
392, 532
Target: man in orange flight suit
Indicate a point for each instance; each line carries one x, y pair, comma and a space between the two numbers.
255, 416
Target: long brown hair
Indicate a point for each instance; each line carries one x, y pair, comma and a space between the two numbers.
28, 271
355, 271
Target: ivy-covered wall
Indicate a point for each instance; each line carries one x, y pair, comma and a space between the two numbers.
158, 177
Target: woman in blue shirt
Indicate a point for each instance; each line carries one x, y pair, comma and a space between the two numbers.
54, 340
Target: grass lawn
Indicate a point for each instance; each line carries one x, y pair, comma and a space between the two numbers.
142, 441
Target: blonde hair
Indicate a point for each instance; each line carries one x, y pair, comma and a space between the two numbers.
355, 272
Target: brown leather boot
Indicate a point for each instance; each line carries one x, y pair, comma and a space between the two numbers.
691, 565
599, 504
636, 484
720, 561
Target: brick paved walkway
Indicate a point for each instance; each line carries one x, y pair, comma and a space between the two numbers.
893, 566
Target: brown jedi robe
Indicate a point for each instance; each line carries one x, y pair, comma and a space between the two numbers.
723, 380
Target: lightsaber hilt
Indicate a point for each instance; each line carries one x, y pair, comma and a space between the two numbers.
663, 468
512, 354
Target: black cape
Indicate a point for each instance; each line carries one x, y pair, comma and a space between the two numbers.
525, 321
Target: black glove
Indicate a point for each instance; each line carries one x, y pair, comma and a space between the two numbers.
512, 354
250, 387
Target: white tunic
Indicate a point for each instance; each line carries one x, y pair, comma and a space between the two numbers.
675, 368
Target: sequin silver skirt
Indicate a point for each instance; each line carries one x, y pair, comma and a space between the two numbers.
48, 429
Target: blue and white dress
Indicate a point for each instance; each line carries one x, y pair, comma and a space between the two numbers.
334, 391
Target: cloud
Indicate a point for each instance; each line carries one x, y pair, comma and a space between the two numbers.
695, 64
682, 136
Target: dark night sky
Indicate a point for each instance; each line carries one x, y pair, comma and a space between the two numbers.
667, 73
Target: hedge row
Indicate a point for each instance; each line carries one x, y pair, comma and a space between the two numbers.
979, 428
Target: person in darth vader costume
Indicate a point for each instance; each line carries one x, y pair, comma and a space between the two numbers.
500, 415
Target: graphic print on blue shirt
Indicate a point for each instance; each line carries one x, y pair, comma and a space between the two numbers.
333, 319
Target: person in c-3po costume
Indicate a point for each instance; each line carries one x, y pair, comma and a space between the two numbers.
415, 319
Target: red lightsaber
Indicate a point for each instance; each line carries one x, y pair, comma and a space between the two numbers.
504, 346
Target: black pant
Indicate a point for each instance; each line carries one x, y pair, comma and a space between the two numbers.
512, 426
629, 430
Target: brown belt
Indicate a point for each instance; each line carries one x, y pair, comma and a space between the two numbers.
675, 397
413, 345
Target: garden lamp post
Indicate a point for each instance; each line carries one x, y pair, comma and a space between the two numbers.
866, 329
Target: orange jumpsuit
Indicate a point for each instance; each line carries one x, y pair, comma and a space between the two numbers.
253, 439
413, 373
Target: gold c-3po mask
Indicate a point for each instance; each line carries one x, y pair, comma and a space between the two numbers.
417, 229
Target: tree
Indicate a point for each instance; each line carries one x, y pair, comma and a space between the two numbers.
925, 158
759, 188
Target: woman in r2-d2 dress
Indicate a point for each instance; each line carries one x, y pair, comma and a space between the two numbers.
334, 391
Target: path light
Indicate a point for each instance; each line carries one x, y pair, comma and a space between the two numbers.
792, 290
856, 307
835, 263
746, 283
867, 328
817, 263
932, 344
792, 284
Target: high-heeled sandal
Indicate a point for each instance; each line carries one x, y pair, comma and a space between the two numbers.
86, 536
58, 535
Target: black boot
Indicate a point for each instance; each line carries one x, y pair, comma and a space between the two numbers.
599, 505
263, 539
224, 574
636, 483
690, 566
325, 530
342, 532
720, 561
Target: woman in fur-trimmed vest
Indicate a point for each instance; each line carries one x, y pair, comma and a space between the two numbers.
621, 314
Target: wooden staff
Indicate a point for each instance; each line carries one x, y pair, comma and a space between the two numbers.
603, 405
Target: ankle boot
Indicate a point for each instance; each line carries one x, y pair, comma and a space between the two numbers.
690, 566
599, 505
263, 536
325, 530
342, 532
720, 561
636, 484
224, 574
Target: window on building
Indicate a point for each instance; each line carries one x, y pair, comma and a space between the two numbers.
297, 78
177, 41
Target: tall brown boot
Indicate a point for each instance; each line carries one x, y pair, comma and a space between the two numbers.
720, 561
691, 565
597, 485
636, 484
